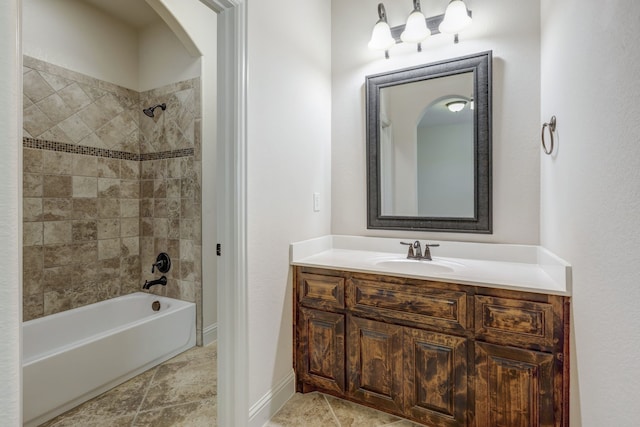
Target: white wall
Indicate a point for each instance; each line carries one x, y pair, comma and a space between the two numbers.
94, 43
590, 197
162, 58
200, 25
289, 158
10, 214
511, 30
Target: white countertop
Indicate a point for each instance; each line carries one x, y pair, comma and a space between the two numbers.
518, 267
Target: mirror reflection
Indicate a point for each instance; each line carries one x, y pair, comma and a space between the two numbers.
426, 148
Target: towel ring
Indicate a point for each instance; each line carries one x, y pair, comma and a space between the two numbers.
552, 128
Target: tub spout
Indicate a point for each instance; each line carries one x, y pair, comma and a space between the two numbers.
161, 281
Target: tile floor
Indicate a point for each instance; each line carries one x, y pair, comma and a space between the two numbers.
182, 392
179, 392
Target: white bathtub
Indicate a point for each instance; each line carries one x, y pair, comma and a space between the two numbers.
75, 355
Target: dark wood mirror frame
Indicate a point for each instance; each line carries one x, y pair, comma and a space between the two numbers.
480, 65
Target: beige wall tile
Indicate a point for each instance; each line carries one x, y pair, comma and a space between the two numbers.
108, 248
35, 87
56, 186
67, 254
32, 261
85, 186
32, 209
84, 230
130, 246
161, 227
160, 208
85, 208
109, 188
174, 229
129, 189
108, 168
159, 189
57, 163
32, 160
32, 233
57, 232
129, 169
61, 277
147, 188
129, 208
173, 188
75, 128
129, 227
57, 209
55, 108
32, 306
32, 185
85, 165
146, 227
173, 208
108, 208
108, 228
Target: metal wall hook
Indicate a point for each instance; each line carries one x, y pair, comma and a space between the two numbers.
552, 128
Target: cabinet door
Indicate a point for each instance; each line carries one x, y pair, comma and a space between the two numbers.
435, 373
514, 387
320, 353
374, 363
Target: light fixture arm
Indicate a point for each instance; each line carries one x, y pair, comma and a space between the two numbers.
382, 13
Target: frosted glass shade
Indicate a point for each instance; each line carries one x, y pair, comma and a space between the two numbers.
381, 37
456, 18
416, 29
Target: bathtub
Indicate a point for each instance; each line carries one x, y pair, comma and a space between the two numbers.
73, 356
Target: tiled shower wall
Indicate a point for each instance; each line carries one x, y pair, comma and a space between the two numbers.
90, 155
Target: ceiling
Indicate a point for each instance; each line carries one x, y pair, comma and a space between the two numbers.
136, 13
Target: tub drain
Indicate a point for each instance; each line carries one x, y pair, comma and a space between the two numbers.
155, 306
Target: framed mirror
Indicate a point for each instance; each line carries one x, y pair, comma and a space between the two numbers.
429, 147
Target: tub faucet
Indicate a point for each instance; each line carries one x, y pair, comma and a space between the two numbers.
415, 250
161, 281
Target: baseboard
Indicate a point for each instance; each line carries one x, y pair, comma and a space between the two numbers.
210, 334
272, 401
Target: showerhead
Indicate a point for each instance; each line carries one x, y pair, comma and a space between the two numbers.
149, 111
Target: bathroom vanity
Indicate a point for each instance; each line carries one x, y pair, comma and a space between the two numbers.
476, 341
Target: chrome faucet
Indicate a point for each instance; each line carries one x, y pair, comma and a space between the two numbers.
415, 250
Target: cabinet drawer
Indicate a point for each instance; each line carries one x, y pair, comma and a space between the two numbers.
514, 322
320, 291
428, 306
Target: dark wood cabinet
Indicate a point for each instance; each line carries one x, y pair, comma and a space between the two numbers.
374, 363
514, 387
320, 349
440, 354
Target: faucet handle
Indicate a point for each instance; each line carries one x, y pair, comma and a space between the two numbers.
410, 254
427, 252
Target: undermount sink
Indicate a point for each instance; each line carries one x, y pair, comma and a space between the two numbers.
414, 266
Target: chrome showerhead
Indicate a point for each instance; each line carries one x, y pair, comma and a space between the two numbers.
149, 111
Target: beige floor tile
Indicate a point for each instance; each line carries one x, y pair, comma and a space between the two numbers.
196, 414
353, 415
308, 410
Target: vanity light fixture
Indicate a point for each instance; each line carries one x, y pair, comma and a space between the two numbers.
381, 38
418, 28
456, 106
415, 30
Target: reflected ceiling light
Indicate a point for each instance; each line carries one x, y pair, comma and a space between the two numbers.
381, 38
415, 30
418, 28
456, 106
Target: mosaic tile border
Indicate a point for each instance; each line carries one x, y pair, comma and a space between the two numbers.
43, 144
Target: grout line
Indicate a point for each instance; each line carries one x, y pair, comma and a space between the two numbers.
145, 395
331, 410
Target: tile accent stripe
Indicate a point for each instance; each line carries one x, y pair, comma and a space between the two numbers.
43, 144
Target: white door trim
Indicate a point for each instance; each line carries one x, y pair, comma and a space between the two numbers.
231, 207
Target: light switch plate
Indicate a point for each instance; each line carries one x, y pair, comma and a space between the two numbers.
316, 202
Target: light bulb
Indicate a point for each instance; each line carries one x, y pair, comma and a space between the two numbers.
456, 18
381, 38
415, 31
